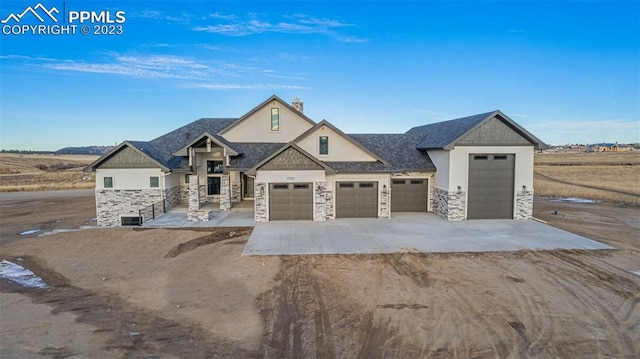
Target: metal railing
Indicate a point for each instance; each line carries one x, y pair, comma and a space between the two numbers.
148, 213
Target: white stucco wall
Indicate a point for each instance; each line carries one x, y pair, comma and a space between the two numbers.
129, 178
172, 179
459, 165
340, 149
257, 127
440, 159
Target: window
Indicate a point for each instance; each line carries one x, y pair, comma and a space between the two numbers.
417, 182
398, 181
366, 184
280, 186
108, 182
300, 186
501, 157
481, 158
345, 185
131, 221
213, 186
214, 167
275, 119
154, 182
186, 178
324, 145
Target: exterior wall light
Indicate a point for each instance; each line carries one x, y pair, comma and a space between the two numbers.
459, 189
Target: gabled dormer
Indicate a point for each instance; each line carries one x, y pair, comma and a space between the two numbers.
272, 121
327, 143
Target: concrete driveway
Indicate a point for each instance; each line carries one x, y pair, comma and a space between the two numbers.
409, 232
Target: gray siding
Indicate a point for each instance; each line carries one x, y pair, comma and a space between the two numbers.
291, 159
493, 132
128, 158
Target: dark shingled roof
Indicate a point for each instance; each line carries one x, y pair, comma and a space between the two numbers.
176, 139
252, 153
148, 149
399, 150
439, 135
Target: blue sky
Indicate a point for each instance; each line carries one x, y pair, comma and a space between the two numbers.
566, 70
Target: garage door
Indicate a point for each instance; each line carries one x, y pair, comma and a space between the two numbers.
409, 195
357, 200
490, 186
290, 201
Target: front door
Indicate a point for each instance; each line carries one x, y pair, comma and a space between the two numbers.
248, 186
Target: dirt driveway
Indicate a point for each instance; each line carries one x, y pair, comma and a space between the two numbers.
188, 293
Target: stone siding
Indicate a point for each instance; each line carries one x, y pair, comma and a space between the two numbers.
329, 200
194, 194
385, 203
172, 197
260, 214
524, 205
111, 204
225, 193
235, 193
320, 206
201, 215
449, 205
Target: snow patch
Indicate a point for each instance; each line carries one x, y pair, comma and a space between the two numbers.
574, 200
31, 231
19, 274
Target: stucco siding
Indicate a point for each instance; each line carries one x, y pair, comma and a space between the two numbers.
130, 178
257, 127
340, 149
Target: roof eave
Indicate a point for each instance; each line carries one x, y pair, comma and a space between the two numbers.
261, 105
92, 167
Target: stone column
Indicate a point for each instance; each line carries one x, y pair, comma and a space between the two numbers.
260, 198
225, 193
194, 193
320, 207
524, 205
385, 202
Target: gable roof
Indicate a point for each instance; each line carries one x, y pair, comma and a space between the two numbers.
255, 109
250, 154
344, 135
218, 140
173, 141
327, 169
398, 150
143, 148
443, 135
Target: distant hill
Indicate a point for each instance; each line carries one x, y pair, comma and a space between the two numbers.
87, 150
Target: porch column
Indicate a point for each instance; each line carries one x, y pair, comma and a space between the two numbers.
225, 193
194, 193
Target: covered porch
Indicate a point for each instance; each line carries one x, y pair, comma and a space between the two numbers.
240, 215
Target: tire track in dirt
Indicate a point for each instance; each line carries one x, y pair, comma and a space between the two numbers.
539, 318
133, 332
547, 178
574, 279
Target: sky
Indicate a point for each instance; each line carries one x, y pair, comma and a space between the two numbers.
567, 71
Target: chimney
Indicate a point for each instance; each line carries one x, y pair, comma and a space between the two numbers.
297, 104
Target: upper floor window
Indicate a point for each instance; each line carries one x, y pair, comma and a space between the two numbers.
324, 145
214, 167
108, 182
154, 182
275, 119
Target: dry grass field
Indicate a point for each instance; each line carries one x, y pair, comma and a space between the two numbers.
611, 177
37, 172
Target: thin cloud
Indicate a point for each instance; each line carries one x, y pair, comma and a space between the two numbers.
296, 24
231, 86
192, 73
